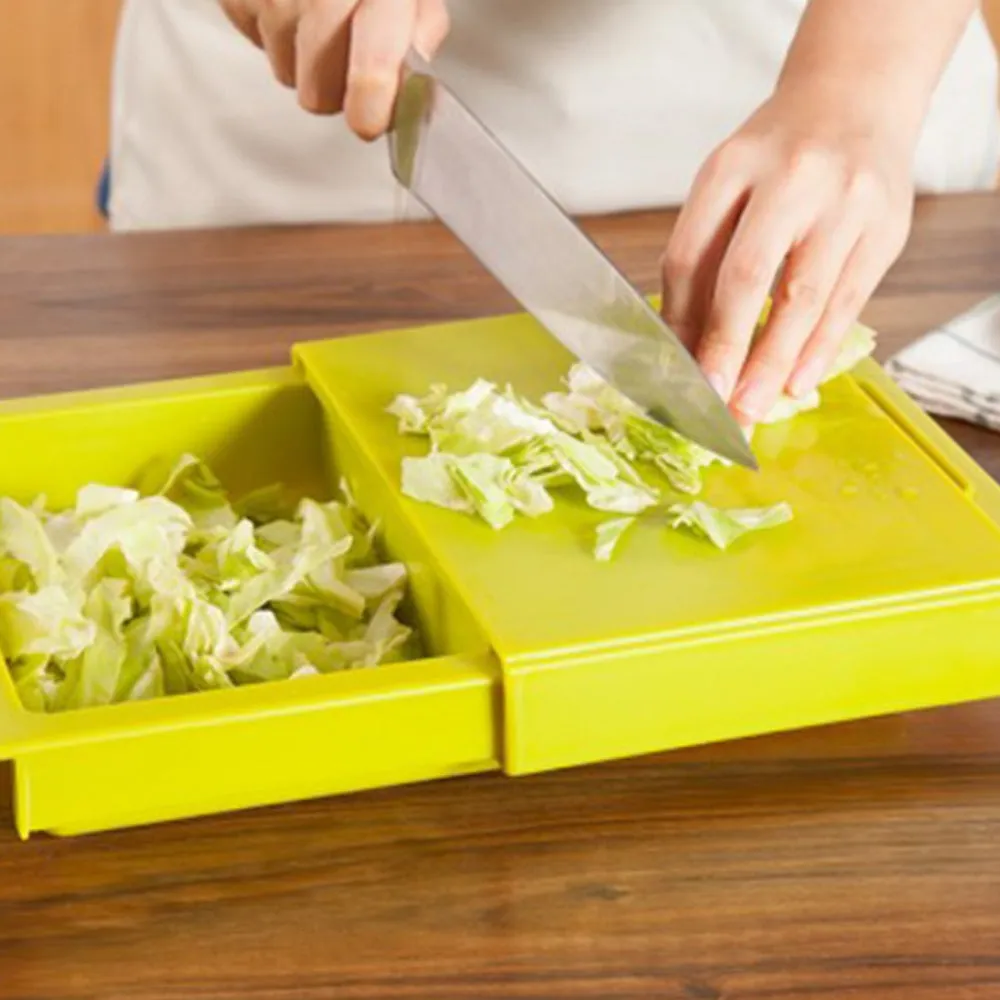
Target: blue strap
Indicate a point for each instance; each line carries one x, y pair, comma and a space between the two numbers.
103, 193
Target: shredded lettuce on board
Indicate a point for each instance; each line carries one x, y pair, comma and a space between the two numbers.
496, 455
609, 535
723, 527
133, 594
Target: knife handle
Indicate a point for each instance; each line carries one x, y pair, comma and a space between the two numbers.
413, 106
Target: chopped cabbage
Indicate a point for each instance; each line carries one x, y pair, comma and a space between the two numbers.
132, 594
495, 455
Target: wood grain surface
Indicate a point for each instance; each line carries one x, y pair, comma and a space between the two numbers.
856, 862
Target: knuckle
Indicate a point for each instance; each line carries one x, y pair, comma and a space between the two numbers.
676, 314
801, 293
723, 346
760, 385
729, 158
850, 300
809, 159
722, 356
714, 166
865, 187
745, 272
775, 358
677, 263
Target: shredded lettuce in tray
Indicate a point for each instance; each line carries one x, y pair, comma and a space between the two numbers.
496, 455
172, 587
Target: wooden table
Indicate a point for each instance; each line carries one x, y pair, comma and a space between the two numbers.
860, 861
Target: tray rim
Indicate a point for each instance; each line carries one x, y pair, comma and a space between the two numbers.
23, 731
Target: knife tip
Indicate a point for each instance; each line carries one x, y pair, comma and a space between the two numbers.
739, 450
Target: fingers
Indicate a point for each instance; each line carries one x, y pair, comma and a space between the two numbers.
381, 35
865, 268
808, 279
697, 246
277, 24
821, 228
322, 45
243, 18
351, 55
343, 55
307, 49
771, 223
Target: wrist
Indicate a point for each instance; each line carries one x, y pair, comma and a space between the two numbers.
869, 105
872, 64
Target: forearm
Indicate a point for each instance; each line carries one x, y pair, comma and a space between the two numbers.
878, 59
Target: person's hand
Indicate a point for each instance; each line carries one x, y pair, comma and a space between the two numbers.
814, 201
343, 55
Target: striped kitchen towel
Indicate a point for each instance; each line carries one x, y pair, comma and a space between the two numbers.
954, 371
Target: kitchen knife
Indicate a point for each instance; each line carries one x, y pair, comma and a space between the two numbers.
458, 170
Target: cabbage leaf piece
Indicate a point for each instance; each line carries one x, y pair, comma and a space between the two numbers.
133, 594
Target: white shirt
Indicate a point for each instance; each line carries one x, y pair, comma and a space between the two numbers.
612, 104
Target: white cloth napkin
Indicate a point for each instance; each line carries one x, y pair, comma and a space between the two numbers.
954, 371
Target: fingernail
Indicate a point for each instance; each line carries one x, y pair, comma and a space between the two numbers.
806, 379
719, 384
752, 401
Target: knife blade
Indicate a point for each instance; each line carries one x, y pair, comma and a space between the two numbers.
458, 170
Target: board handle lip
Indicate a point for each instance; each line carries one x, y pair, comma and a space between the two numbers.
931, 440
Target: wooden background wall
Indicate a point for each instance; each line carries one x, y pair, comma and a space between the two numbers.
55, 59
991, 8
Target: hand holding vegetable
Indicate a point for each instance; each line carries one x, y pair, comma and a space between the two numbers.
825, 202
342, 55
812, 196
